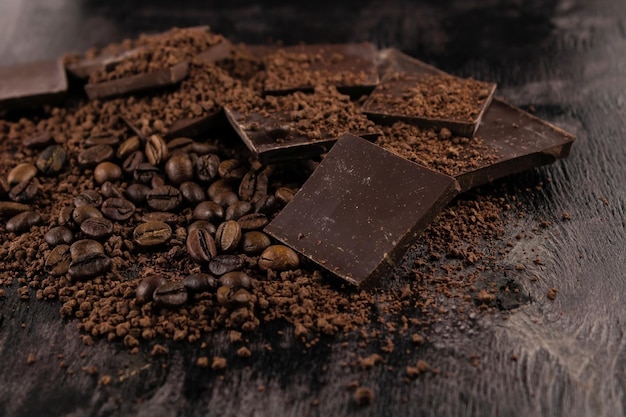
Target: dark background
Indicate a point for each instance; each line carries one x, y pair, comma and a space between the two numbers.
567, 58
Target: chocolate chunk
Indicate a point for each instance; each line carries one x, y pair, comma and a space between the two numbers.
520, 142
430, 100
349, 67
299, 125
216, 53
362, 208
85, 67
32, 84
197, 126
134, 83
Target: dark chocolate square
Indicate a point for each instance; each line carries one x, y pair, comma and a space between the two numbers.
32, 84
430, 100
519, 141
349, 67
361, 209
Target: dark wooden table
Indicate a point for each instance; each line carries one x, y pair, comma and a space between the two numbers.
565, 57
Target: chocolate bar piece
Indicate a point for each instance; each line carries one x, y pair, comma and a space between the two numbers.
298, 125
32, 84
361, 209
519, 141
430, 100
197, 126
134, 83
85, 67
349, 67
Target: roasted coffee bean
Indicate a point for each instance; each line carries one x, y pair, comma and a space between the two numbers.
22, 222
132, 162
89, 266
238, 209
179, 144
147, 286
24, 191
229, 297
84, 247
179, 168
267, 205
93, 155
202, 224
209, 211
201, 246
102, 139
164, 198
255, 242
59, 235
254, 184
192, 192
82, 213
38, 140
228, 235
109, 190
236, 279
144, 173
159, 216
107, 171
253, 221
152, 234
88, 198
284, 195
65, 216
97, 228
156, 150
170, 294
199, 282
231, 169
217, 187
206, 167
226, 198
51, 160
58, 261
117, 209
137, 193
128, 147
279, 258
10, 208
21, 173
223, 264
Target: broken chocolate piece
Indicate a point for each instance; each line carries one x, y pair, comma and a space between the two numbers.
520, 142
215, 53
298, 125
197, 126
430, 100
85, 67
349, 67
140, 82
31, 85
361, 209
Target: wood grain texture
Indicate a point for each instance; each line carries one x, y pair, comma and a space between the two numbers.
565, 57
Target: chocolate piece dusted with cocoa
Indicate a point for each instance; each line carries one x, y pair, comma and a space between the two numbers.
139, 82
429, 100
349, 67
298, 125
520, 142
32, 85
361, 209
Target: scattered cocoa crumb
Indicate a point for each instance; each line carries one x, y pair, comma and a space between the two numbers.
218, 363
202, 362
31, 359
363, 396
552, 293
244, 352
105, 380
